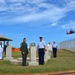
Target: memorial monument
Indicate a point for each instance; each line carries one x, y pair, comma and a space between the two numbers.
8, 53
33, 49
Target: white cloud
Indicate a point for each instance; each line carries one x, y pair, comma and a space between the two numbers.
54, 24
70, 25
47, 15
2, 1
52, 13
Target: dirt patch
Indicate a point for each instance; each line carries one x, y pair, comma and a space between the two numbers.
71, 72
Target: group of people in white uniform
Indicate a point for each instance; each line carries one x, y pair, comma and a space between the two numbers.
3, 48
44, 49
52, 48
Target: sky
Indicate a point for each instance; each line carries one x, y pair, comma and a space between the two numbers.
33, 18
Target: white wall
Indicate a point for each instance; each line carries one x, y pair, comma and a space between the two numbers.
68, 45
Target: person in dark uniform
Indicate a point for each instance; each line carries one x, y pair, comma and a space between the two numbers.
24, 51
54, 46
41, 50
5, 46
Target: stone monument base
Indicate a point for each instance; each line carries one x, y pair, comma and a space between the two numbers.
45, 60
33, 63
8, 58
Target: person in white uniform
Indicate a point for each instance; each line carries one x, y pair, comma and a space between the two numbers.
1, 50
41, 50
49, 49
54, 46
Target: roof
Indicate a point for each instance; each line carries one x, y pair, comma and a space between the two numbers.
3, 38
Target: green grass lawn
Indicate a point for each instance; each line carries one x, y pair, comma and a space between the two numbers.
65, 61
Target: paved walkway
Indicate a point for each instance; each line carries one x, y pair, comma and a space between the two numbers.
71, 72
